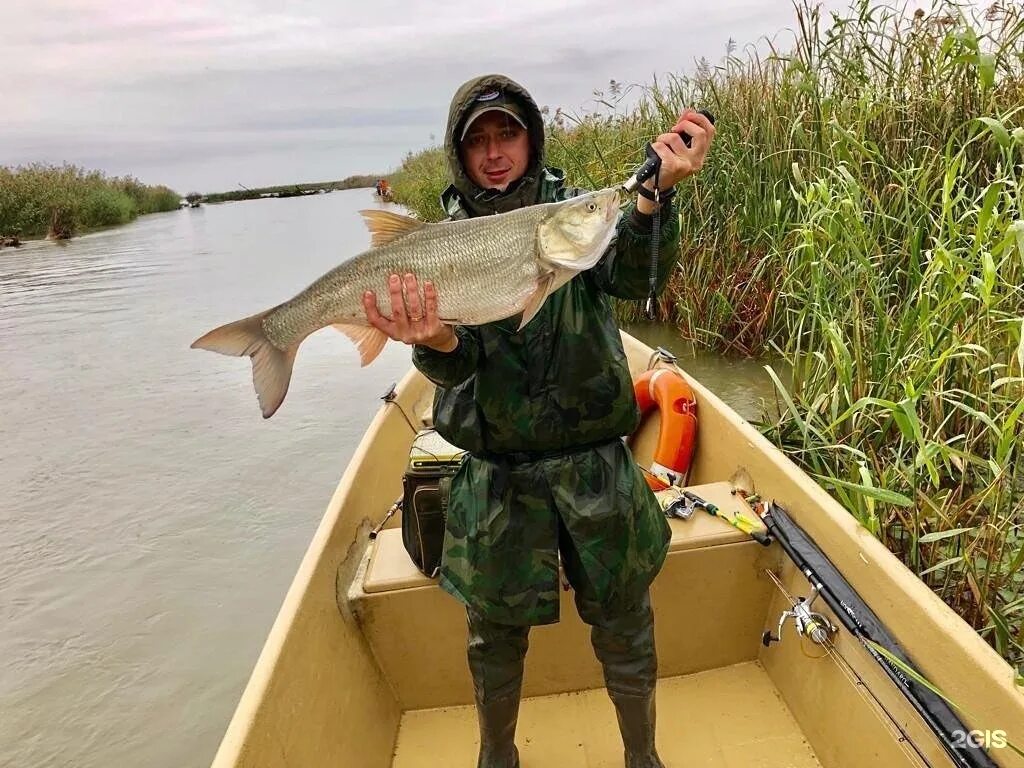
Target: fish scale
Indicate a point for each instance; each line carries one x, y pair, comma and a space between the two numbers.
463, 264
483, 269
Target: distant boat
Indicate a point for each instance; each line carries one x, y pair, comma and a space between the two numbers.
382, 191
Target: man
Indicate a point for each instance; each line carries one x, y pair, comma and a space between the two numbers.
541, 412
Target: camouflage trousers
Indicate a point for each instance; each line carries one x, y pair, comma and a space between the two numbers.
505, 520
623, 640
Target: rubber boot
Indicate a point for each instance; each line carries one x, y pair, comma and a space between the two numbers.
498, 732
496, 653
636, 715
623, 640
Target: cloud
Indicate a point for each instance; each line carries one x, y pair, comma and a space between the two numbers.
178, 92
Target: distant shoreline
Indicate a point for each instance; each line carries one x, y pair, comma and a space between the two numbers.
292, 190
61, 202
24, 240
260, 193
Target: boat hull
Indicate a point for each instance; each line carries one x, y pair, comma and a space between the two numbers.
358, 652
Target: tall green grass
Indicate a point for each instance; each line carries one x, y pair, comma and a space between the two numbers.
897, 286
861, 214
419, 181
59, 201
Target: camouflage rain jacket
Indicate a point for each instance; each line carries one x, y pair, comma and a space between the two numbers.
541, 412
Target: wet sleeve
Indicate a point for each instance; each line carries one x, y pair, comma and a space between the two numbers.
449, 369
624, 270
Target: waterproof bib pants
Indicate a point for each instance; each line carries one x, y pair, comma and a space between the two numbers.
623, 639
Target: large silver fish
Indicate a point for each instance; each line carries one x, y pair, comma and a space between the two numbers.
484, 269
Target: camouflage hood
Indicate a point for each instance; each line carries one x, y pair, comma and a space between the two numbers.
476, 200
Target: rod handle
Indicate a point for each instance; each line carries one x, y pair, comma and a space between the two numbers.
645, 171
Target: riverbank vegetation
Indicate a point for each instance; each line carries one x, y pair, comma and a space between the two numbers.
862, 216
291, 190
61, 201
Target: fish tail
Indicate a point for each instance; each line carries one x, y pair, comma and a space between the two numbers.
271, 367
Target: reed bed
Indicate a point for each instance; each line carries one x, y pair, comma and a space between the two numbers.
60, 201
862, 216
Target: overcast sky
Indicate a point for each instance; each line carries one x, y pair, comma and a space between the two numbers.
206, 94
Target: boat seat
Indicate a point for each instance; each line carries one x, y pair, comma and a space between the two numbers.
391, 568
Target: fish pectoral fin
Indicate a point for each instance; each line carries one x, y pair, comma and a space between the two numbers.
536, 301
387, 227
368, 340
271, 367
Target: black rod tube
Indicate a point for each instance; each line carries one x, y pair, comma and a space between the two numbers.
862, 623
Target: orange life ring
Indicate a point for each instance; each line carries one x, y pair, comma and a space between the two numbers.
677, 438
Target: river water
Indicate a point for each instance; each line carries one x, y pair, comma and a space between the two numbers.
150, 520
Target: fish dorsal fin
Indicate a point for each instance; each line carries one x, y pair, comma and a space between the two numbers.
387, 227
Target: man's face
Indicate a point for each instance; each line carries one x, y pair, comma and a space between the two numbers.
496, 151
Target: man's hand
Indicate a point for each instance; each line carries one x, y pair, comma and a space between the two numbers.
677, 160
413, 321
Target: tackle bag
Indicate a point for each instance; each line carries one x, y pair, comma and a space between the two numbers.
426, 485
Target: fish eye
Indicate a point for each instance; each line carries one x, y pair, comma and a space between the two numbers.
591, 206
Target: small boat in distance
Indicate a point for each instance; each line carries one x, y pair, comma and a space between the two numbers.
365, 665
383, 191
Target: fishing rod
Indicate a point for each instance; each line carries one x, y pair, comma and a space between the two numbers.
854, 614
652, 167
687, 501
820, 630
